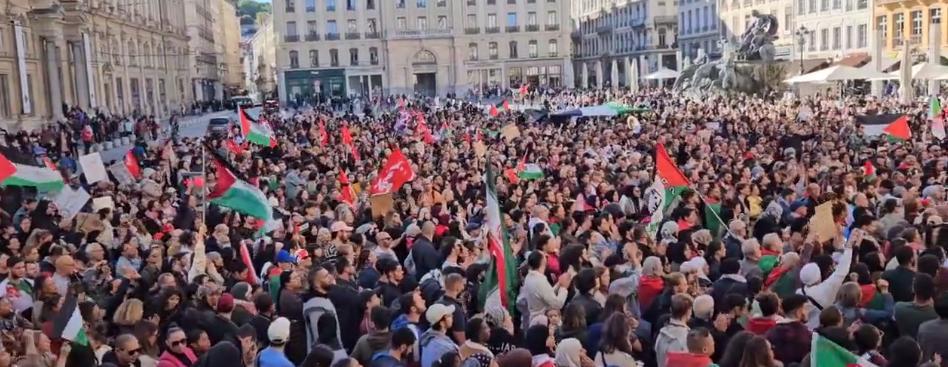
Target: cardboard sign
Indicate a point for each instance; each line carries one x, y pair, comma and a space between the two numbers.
70, 202
510, 132
103, 203
93, 168
88, 222
822, 222
480, 149
121, 173
381, 204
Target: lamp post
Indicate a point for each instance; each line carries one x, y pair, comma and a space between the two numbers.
801, 34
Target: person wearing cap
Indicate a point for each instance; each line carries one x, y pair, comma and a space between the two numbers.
435, 342
278, 333
340, 232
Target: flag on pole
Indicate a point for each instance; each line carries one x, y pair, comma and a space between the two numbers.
253, 131
16, 174
937, 117
530, 171
668, 184
826, 353
494, 109
248, 262
347, 140
394, 173
238, 195
425, 131
323, 135
68, 324
131, 162
712, 218
346, 194
899, 129
500, 284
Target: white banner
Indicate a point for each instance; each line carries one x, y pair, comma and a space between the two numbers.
93, 167
19, 37
90, 73
70, 201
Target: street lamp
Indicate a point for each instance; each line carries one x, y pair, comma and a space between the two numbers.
801, 34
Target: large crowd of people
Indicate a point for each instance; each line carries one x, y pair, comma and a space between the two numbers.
734, 272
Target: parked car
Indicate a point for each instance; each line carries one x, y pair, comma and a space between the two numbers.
219, 126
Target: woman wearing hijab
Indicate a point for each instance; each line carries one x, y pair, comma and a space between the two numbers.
570, 353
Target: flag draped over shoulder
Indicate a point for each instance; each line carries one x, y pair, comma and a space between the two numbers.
254, 131
500, 284
669, 183
825, 353
239, 195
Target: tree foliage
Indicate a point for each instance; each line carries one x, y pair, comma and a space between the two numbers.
250, 9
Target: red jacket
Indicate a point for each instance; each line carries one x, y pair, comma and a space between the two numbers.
649, 288
683, 359
169, 360
760, 325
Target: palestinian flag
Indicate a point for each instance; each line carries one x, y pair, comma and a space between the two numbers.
894, 126
131, 163
669, 183
248, 262
499, 288
17, 174
712, 218
502, 104
825, 353
255, 132
48, 163
530, 171
68, 324
937, 117
238, 195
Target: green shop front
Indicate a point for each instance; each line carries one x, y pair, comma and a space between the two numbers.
310, 85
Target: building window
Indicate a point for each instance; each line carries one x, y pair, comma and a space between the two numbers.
661, 38
491, 2
370, 4
687, 28
352, 26
373, 26
442, 22
788, 18
472, 51
290, 29
491, 20
294, 59
551, 18
533, 49
311, 27
849, 5
713, 14
354, 56
801, 7
314, 58
401, 23
553, 48
935, 15
824, 39
4, 95
400, 4
883, 27
812, 6
837, 35
310, 6
331, 27
472, 20
837, 4
330, 5
916, 22
492, 50
421, 3
862, 4
824, 5
849, 37
513, 50
290, 6
374, 55
861, 33
511, 2
532, 18
511, 19
422, 23
812, 43
333, 57
899, 30
350, 5
442, 3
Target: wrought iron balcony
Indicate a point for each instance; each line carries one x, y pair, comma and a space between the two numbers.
332, 36
492, 30
472, 30
353, 35
372, 35
513, 28
312, 37
552, 27
533, 28
291, 38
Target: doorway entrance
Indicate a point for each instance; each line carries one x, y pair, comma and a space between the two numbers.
426, 84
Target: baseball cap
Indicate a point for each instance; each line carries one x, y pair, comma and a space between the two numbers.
339, 226
279, 330
284, 257
437, 312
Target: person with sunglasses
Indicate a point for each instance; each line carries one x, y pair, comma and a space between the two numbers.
177, 353
126, 352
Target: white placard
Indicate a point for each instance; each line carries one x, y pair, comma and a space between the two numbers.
102, 203
93, 167
70, 201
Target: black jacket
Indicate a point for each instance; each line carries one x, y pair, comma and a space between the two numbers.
349, 310
425, 257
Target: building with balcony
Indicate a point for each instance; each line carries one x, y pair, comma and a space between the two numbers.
735, 16
613, 37
698, 29
117, 56
832, 29
335, 48
227, 32
259, 61
898, 22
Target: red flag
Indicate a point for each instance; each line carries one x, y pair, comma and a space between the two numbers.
346, 136
511, 175
425, 131
233, 147
7, 168
899, 129
868, 169
131, 162
506, 105
395, 173
493, 111
346, 194
49, 164
251, 272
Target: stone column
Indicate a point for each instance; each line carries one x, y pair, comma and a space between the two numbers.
629, 74
569, 80
585, 76
934, 53
281, 86
599, 82
82, 78
55, 85
876, 52
614, 74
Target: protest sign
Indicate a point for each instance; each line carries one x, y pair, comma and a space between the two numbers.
822, 222
121, 173
510, 132
381, 204
93, 168
70, 201
103, 203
